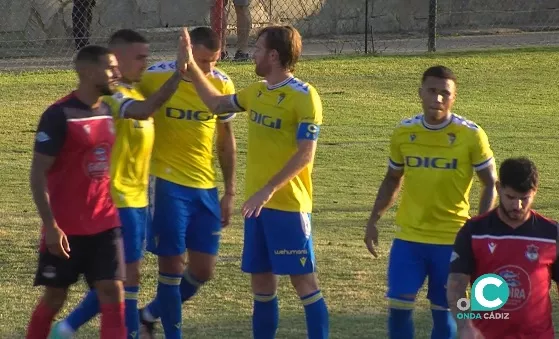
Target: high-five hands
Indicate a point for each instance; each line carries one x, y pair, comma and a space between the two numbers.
184, 53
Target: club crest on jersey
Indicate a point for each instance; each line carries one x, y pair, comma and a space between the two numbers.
532, 252
281, 97
451, 138
412, 137
87, 128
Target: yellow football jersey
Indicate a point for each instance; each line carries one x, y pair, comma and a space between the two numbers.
279, 116
438, 164
184, 129
131, 152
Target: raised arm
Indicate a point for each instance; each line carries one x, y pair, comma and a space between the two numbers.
142, 110
212, 98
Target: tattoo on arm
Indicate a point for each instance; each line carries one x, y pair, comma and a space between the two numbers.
225, 105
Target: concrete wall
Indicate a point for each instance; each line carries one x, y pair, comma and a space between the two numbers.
41, 21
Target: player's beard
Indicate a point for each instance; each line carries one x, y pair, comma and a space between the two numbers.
261, 70
514, 215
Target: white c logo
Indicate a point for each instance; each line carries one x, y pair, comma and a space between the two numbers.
479, 292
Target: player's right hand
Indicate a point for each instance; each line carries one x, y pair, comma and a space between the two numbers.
184, 52
57, 242
371, 238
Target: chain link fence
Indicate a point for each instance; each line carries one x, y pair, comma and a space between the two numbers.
39, 34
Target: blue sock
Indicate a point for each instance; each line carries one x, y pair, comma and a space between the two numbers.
400, 323
189, 286
316, 314
131, 311
444, 326
86, 310
169, 296
265, 316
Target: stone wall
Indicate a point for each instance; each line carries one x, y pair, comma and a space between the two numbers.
49, 21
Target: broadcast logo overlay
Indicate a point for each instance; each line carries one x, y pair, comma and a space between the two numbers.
490, 292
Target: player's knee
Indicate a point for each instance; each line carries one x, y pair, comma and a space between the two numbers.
204, 274
264, 283
172, 264
304, 284
54, 298
132, 274
109, 291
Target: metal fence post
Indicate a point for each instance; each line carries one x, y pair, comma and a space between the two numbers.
366, 26
432, 43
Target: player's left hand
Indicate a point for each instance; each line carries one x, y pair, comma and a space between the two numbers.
254, 204
226, 209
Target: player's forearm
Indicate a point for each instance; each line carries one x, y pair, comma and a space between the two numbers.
387, 193
456, 286
206, 91
40, 198
487, 199
227, 154
142, 110
294, 166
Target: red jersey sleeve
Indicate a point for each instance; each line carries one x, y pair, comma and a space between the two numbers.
51, 132
462, 259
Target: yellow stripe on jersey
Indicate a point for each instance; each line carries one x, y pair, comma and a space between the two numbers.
438, 164
131, 152
184, 129
278, 117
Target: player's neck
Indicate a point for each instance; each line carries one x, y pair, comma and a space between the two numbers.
512, 223
436, 122
88, 96
277, 77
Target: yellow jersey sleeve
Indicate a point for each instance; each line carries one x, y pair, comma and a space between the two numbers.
118, 103
228, 89
242, 98
309, 115
396, 159
481, 154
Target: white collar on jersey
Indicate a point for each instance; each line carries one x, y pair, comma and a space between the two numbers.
278, 85
438, 126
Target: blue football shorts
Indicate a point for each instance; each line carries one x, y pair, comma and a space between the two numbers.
183, 218
134, 223
411, 262
279, 242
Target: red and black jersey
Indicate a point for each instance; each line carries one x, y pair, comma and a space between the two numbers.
81, 139
526, 257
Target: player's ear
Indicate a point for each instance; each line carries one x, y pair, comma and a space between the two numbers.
498, 186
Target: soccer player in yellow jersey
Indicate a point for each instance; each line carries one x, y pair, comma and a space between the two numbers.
130, 159
436, 154
284, 118
188, 215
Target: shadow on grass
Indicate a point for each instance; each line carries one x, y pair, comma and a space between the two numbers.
342, 326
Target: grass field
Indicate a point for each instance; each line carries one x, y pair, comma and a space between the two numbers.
512, 95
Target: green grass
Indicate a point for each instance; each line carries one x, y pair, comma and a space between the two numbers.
510, 94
